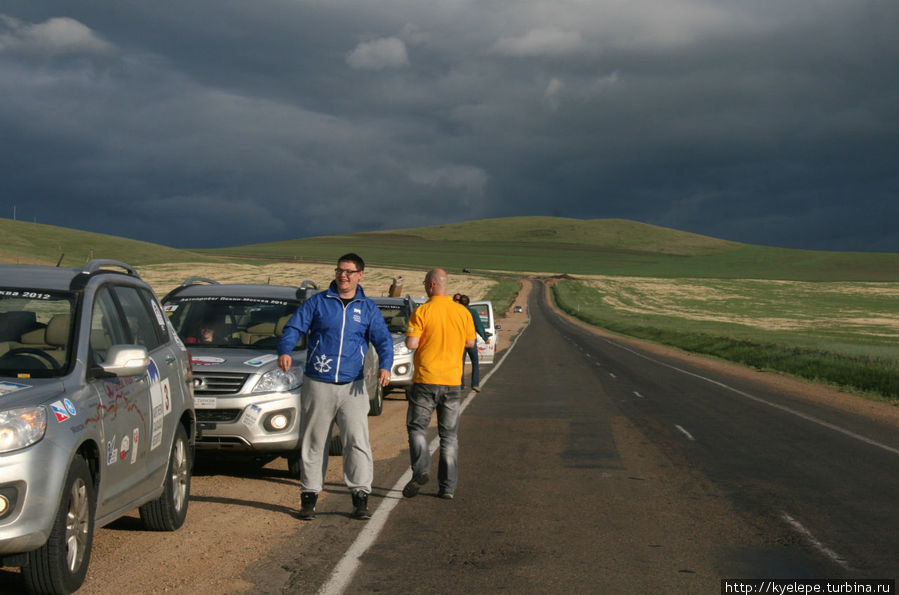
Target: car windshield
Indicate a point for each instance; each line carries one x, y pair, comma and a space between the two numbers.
396, 316
35, 332
237, 322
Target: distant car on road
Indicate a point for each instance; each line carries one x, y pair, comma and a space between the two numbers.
396, 312
245, 404
96, 415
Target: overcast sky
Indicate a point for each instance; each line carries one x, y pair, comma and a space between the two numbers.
207, 123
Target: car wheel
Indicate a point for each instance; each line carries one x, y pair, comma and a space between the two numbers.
59, 566
376, 401
336, 447
294, 463
168, 512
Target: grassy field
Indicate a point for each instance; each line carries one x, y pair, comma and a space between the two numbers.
597, 247
844, 334
829, 316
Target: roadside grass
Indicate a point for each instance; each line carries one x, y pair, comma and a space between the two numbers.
842, 334
502, 293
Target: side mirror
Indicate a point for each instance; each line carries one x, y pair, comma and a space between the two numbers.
126, 360
497, 327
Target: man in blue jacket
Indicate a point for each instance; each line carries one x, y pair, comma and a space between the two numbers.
341, 322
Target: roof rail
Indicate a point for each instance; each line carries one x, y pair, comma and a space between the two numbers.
307, 288
97, 264
198, 280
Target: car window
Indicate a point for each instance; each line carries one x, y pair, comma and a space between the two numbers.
35, 332
138, 318
107, 328
238, 322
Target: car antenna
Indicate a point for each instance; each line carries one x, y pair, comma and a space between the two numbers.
59, 262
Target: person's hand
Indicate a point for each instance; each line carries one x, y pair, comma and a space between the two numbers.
284, 362
383, 377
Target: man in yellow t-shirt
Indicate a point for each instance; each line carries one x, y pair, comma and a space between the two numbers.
439, 331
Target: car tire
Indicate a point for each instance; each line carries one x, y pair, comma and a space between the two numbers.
376, 401
294, 463
336, 447
60, 565
168, 512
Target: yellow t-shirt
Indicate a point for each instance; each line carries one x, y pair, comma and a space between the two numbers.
443, 327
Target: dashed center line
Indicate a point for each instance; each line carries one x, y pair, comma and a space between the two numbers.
636, 394
814, 541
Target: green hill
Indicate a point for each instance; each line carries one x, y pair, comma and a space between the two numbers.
36, 243
585, 247
546, 245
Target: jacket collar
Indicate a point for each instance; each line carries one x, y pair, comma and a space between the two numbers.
332, 291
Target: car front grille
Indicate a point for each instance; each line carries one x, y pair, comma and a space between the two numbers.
218, 415
218, 383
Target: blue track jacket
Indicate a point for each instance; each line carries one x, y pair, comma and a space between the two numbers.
338, 335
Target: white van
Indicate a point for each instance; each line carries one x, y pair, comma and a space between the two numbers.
487, 350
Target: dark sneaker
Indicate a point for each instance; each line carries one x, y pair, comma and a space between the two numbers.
412, 488
307, 510
360, 505
445, 495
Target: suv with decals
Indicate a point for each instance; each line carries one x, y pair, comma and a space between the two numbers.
244, 402
396, 312
96, 415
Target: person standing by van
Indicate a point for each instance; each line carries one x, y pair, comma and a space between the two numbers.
341, 323
439, 331
472, 352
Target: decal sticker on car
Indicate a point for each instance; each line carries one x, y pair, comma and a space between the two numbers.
160, 403
251, 415
11, 387
261, 361
112, 453
205, 360
60, 411
70, 407
160, 319
135, 440
125, 449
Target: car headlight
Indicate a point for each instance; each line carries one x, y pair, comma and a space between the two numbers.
21, 427
400, 349
278, 381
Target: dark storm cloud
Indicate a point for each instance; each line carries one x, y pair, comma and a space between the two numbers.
210, 123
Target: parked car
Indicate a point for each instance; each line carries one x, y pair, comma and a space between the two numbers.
244, 403
396, 312
517, 309
486, 349
96, 415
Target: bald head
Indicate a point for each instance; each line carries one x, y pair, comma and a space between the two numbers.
436, 282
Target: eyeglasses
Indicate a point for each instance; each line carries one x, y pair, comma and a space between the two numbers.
346, 272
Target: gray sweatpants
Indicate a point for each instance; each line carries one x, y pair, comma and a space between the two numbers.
346, 405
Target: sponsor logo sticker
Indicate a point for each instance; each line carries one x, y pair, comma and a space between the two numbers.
261, 361
11, 387
59, 411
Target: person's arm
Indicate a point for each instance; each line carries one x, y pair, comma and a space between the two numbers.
294, 329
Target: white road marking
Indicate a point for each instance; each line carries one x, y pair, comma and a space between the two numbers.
686, 433
343, 573
814, 541
612, 375
784, 408
636, 394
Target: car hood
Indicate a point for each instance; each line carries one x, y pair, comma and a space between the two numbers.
18, 392
247, 361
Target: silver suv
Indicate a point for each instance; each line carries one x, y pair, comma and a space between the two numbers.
96, 415
244, 403
396, 312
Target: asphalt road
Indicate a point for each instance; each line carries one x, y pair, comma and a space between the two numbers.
587, 465
590, 466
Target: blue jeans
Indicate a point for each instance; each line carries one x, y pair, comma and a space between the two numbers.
475, 370
423, 399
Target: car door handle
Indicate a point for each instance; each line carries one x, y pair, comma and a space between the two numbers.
170, 359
